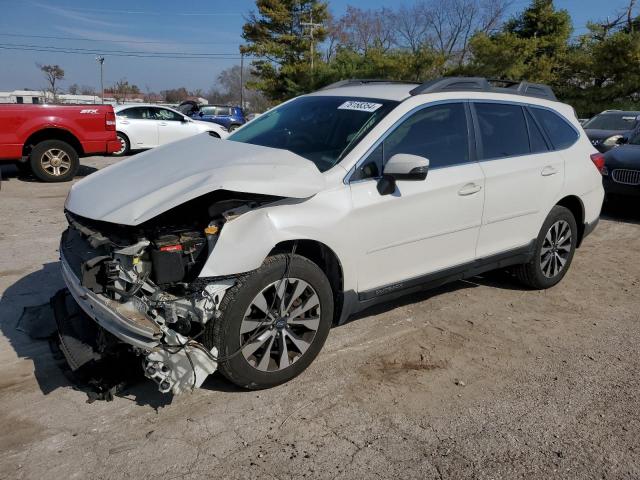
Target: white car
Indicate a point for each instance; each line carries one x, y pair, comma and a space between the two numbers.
141, 127
242, 255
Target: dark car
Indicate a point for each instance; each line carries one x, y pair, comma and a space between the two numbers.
606, 129
621, 175
228, 116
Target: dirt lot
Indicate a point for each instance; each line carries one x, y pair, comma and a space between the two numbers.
477, 380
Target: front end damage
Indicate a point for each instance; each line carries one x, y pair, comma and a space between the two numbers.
141, 287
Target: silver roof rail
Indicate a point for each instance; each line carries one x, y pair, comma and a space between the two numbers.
481, 84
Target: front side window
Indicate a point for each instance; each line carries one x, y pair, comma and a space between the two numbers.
561, 134
322, 129
503, 130
438, 133
166, 115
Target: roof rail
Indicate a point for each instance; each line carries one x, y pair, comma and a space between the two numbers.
481, 84
364, 81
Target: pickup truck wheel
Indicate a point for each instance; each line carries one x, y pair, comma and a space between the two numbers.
54, 161
125, 146
271, 327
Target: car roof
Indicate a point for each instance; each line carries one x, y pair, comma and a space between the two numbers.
119, 108
620, 112
383, 91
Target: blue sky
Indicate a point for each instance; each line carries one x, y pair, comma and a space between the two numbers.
152, 27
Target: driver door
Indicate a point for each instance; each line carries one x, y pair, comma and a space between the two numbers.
423, 226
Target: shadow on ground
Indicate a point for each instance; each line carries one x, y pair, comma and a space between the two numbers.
624, 209
10, 173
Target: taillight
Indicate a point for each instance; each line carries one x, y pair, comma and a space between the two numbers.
110, 121
598, 161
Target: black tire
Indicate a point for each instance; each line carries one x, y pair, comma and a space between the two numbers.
61, 150
224, 332
531, 274
234, 127
125, 145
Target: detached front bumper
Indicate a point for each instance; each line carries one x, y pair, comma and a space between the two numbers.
139, 331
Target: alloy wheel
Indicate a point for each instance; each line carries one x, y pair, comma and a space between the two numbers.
123, 145
280, 324
556, 249
55, 162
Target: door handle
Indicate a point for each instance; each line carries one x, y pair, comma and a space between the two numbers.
548, 171
469, 189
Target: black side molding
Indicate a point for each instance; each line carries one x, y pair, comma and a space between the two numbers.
442, 277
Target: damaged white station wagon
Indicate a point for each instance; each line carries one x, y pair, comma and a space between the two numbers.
239, 254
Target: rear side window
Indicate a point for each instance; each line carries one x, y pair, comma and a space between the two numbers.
559, 131
503, 130
536, 139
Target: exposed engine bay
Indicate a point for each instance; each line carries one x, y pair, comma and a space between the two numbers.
141, 284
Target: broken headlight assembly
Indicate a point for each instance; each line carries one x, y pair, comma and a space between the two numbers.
141, 284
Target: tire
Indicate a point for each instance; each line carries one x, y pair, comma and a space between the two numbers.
125, 145
234, 127
54, 161
251, 370
546, 268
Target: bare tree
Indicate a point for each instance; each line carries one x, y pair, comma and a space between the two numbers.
53, 73
362, 30
410, 23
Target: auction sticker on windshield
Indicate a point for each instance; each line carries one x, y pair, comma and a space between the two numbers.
360, 106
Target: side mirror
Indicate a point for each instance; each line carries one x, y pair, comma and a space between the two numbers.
402, 166
201, 113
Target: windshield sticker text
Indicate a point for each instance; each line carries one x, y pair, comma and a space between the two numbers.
360, 106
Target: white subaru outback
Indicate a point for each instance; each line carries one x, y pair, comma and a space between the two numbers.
239, 254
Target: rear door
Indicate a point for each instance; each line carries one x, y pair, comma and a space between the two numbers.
424, 226
139, 125
523, 175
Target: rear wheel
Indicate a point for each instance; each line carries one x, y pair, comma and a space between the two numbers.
54, 161
271, 327
125, 146
554, 250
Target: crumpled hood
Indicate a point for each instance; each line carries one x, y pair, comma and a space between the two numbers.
146, 185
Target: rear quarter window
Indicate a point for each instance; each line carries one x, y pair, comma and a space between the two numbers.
559, 131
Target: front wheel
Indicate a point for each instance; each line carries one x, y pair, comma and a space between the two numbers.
554, 250
54, 161
272, 327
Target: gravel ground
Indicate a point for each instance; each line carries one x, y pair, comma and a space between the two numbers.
480, 379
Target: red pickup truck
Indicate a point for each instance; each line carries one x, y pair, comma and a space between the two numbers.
48, 140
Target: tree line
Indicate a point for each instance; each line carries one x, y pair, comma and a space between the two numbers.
298, 46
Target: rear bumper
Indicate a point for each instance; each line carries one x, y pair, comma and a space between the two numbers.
620, 188
100, 147
138, 334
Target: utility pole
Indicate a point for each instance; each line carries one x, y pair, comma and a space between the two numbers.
242, 80
312, 27
100, 60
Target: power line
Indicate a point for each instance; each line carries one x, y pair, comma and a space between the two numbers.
120, 52
76, 39
136, 55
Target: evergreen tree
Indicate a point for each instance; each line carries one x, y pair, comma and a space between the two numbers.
285, 47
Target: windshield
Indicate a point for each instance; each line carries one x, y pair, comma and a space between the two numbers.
612, 121
322, 129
